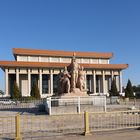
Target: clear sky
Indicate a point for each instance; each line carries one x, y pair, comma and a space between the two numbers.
75, 25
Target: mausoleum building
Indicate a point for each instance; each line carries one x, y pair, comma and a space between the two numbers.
45, 65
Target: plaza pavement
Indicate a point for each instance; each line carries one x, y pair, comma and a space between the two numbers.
131, 134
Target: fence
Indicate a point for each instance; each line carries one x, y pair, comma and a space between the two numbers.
135, 102
114, 120
7, 126
23, 106
72, 105
123, 105
30, 126
68, 105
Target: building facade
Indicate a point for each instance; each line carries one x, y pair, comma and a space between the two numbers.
45, 65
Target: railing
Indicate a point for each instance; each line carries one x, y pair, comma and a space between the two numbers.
114, 120
31, 126
8, 104
69, 105
7, 126
72, 105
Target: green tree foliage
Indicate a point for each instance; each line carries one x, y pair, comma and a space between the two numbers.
136, 88
129, 93
114, 91
35, 91
15, 92
1, 92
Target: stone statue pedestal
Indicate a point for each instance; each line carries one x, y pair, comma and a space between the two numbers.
75, 93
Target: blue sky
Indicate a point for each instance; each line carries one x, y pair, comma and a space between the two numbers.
75, 25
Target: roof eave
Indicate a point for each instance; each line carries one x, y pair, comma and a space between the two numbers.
60, 65
20, 51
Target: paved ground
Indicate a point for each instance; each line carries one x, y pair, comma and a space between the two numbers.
130, 134
113, 135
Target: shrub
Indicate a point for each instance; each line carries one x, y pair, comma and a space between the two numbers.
129, 93
35, 91
15, 92
113, 91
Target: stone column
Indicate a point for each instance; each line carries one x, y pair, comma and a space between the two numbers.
40, 81
120, 81
112, 75
29, 82
108, 84
17, 76
6, 83
51, 82
49, 85
94, 81
85, 81
103, 81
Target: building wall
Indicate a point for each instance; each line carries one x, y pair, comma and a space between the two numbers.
62, 59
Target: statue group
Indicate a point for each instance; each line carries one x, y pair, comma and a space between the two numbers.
72, 79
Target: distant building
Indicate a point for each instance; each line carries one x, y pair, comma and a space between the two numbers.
45, 65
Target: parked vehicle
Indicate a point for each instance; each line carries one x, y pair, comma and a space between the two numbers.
7, 102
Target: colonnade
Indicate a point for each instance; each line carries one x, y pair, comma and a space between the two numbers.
100, 80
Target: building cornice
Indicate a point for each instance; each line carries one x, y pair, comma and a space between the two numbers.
15, 64
32, 52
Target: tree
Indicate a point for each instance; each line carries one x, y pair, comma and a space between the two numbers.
129, 93
35, 91
136, 88
1, 92
113, 91
15, 91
